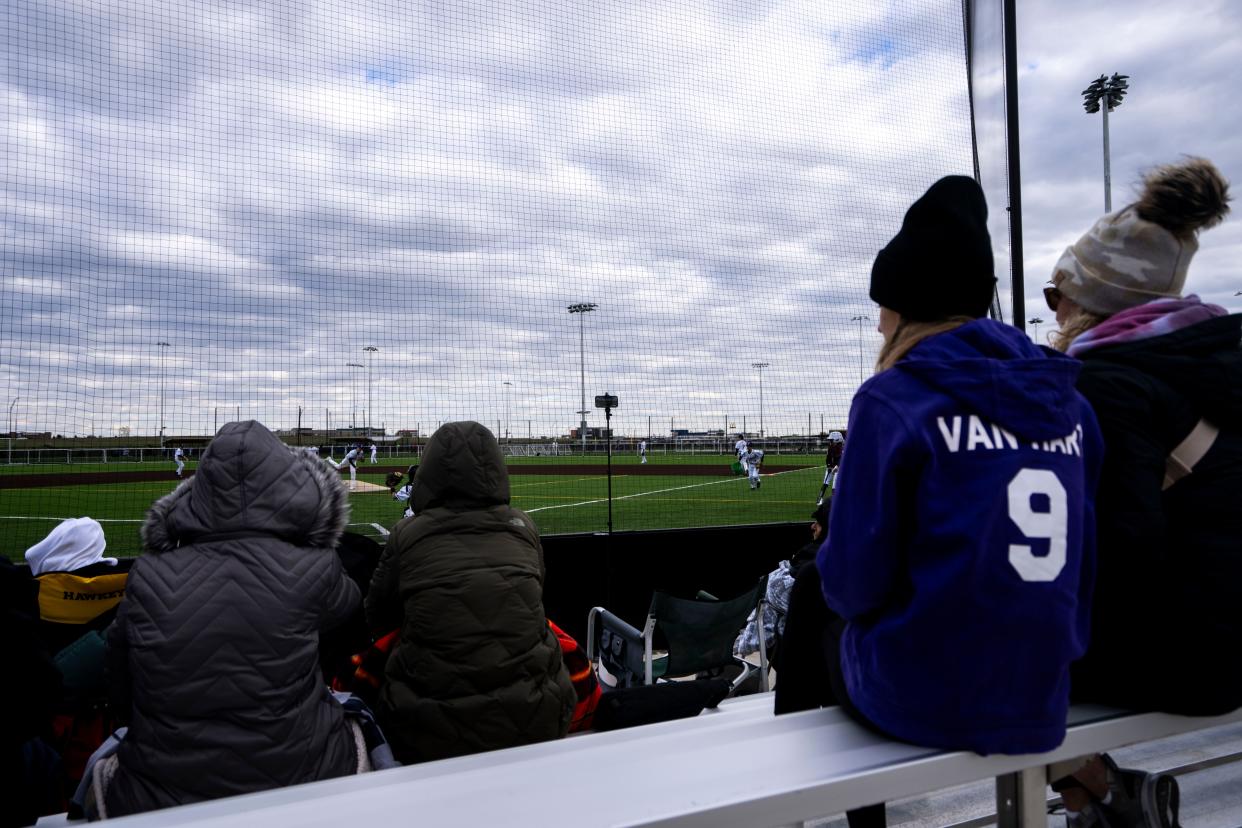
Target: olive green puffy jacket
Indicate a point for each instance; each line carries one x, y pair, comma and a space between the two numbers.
477, 667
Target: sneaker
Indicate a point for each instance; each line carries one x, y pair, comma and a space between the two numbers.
1140, 799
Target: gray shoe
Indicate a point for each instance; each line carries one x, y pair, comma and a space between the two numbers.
1140, 799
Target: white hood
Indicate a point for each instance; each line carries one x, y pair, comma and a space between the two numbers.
74, 544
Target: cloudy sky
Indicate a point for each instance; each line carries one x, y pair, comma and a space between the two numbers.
272, 187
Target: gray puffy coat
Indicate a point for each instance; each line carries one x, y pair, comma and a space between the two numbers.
477, 667
214, 650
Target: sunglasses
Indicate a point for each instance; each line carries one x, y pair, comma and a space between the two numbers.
1052, 296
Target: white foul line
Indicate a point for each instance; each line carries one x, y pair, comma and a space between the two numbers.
655, 492
379, 529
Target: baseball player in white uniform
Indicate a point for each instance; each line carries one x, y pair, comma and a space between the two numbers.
752, 461
179, 459
351, 460
740, 448
642, 451
374, 454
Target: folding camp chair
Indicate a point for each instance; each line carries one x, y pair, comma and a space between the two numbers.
697, 635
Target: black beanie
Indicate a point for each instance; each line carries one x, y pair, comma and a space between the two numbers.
940, 263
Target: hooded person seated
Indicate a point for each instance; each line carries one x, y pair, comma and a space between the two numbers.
213, 657
78, 588
476, 668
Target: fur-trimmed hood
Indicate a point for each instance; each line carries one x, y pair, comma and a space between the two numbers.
249, 482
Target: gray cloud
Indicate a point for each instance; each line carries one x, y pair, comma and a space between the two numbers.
272, 186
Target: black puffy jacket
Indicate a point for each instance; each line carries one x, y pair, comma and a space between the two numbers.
214, 653
477, 667
1166, 629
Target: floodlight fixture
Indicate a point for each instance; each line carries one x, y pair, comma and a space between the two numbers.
1036, 321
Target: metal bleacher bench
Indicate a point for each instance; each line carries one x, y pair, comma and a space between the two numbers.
738, 766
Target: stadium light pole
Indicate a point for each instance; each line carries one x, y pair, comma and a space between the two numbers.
1036, 321
760, 366
860, 319
353, 396
163, 346
582, 308
370, 350
507, 385
1103, 96
11, 405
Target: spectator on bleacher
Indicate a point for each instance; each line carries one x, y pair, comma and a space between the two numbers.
953, 591
776, 599
78, 588
1164, 374
34, 779
214, 652
476, 667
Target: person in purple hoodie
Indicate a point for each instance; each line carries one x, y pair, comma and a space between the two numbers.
953, 590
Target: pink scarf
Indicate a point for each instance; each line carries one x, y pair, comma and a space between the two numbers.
1155, 318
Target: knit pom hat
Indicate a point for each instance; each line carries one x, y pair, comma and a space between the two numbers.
1142, 251
940, 263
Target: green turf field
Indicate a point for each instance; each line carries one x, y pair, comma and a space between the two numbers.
558, 503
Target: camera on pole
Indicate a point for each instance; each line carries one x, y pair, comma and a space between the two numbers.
608, 402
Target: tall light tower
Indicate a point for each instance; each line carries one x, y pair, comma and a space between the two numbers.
582, 308
370, 351
353, 395
11, 429
163, 346
760, 366
507, 385
1103, 96
860, 319
1036, 321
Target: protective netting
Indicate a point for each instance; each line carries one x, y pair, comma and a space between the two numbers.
215, 210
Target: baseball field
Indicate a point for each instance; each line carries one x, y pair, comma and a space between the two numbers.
564, 494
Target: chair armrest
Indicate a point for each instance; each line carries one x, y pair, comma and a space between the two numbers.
618, 644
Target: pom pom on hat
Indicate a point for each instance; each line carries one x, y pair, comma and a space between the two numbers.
1143, 251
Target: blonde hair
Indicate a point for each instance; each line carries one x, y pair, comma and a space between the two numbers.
909, 333
1079, 321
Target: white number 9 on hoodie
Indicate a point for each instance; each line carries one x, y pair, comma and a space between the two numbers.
1050, 525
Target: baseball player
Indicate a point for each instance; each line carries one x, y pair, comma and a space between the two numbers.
740, 448
832, 462
642, 451
179, 459
374, 454
752, 461
402, 486
350, 460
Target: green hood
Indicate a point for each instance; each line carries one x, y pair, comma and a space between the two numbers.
462, 468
